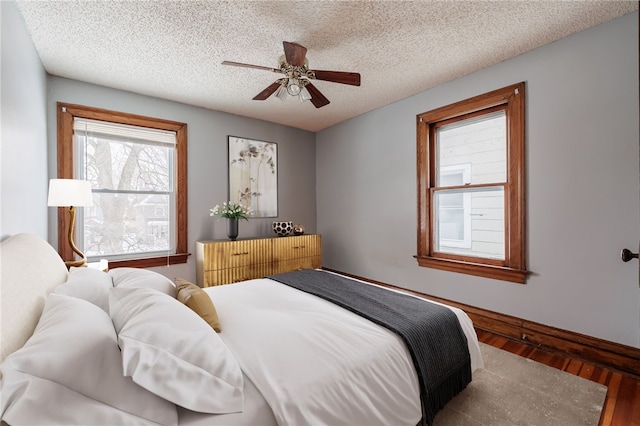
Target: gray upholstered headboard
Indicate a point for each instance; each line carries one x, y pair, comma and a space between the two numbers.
29, 270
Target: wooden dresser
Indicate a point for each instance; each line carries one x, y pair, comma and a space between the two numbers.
226, 262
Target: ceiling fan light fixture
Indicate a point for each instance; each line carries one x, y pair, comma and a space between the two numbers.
281, 92
294, 87
297, 75
304, 94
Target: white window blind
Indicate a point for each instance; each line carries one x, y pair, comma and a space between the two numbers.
116, 131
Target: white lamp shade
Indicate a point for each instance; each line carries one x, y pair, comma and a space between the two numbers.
293, 87
304, 94
70, 192
281, 93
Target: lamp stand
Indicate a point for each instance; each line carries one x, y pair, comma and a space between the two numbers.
72, 223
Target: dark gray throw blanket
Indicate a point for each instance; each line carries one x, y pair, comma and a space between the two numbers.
432, 333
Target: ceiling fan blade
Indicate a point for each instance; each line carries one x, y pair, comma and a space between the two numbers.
317, 99
351, 78
267, 92
294, 53
258, 67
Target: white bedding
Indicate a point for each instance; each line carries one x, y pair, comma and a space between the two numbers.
307, 342
314, 362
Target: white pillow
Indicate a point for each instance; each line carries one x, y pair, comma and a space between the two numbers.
70, 372
89, 284
136, 277
169, 350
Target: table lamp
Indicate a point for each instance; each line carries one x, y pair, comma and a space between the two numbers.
71, 193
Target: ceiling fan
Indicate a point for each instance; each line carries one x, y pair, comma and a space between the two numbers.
295, 67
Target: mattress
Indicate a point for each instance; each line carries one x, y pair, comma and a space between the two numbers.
308, 361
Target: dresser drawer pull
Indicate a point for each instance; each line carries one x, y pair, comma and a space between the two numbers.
240, 254
299, 247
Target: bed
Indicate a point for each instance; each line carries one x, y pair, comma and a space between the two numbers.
88, 347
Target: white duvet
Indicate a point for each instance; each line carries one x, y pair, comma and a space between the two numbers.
316, 363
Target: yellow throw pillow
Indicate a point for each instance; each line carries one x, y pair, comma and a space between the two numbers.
199, 301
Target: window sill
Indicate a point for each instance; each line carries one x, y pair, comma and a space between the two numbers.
148, 262
488, 271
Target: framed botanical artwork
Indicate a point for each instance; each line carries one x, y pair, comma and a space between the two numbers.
253, 175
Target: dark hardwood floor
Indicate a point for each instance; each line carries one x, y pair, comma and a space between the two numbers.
622, 405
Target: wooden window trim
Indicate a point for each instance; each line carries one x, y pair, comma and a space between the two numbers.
65, 115
513, 268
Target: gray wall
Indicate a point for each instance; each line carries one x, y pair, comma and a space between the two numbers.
23, 151
207, 160
582, 189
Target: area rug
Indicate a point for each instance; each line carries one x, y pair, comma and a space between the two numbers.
513, 390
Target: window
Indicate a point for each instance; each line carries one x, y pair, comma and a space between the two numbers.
137, 169
471, 215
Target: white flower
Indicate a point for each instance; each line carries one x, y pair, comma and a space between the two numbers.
231, 210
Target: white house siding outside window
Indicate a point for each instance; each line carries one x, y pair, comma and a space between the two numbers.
471, 221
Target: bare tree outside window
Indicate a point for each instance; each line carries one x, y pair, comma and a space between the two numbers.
132, 187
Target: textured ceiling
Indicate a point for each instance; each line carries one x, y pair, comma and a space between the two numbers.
174, 49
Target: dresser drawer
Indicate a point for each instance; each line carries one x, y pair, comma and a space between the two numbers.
234, 275
296, 247
232, 254
311, 262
